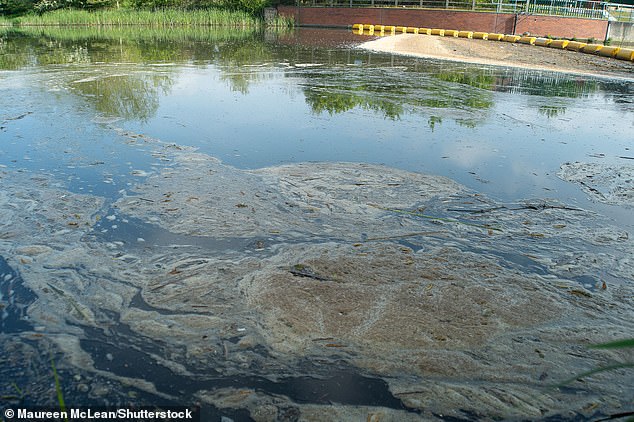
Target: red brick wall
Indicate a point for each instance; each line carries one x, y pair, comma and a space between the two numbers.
562, 27
448, 19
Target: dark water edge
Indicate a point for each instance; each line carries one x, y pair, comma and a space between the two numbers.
14, 301
339, 386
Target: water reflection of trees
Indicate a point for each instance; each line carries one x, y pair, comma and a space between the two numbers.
546, 84
385, 84
428, 86
131, 96
51, 45
323, 100
551, 111
393, 88
125, 90
237, 62
12, 54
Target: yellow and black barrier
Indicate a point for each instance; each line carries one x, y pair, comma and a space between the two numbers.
596, 49
625, 54
559, 44
575, 45
591, 48
543, 42
607, 51
496, 37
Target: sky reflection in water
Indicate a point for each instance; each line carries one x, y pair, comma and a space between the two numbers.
257, 100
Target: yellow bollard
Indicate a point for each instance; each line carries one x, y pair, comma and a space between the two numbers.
451, 33
411, 30
575, 45
465, 34
527, 40
607, 51
559, 44
425, 31
591, 48
481, 35
390, 28
511, 38
495, 37
625, 54
357, 26
440, 32
543, 42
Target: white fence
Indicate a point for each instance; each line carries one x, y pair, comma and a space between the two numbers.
573, 8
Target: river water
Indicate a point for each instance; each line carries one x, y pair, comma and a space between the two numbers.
91, 120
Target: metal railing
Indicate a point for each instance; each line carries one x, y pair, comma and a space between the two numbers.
620, 12
571, 8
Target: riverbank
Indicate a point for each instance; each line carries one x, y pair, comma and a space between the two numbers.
162, 18
501, 54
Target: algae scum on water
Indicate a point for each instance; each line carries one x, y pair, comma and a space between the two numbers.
151, 272
321, 273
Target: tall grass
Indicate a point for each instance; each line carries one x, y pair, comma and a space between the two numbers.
135, 33
58, 390
4, 21
163, 18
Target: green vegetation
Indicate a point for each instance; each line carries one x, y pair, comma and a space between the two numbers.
619, 344
58, 390
108, 36
162, 13
155, 18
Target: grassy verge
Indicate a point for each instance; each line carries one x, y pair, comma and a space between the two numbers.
164, 18
129, 33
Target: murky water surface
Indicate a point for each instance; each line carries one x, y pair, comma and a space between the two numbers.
87, 116
500, 131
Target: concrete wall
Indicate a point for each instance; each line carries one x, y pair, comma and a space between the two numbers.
621, 33
449, 19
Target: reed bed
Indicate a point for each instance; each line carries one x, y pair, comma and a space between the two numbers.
163, 18
136, 33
